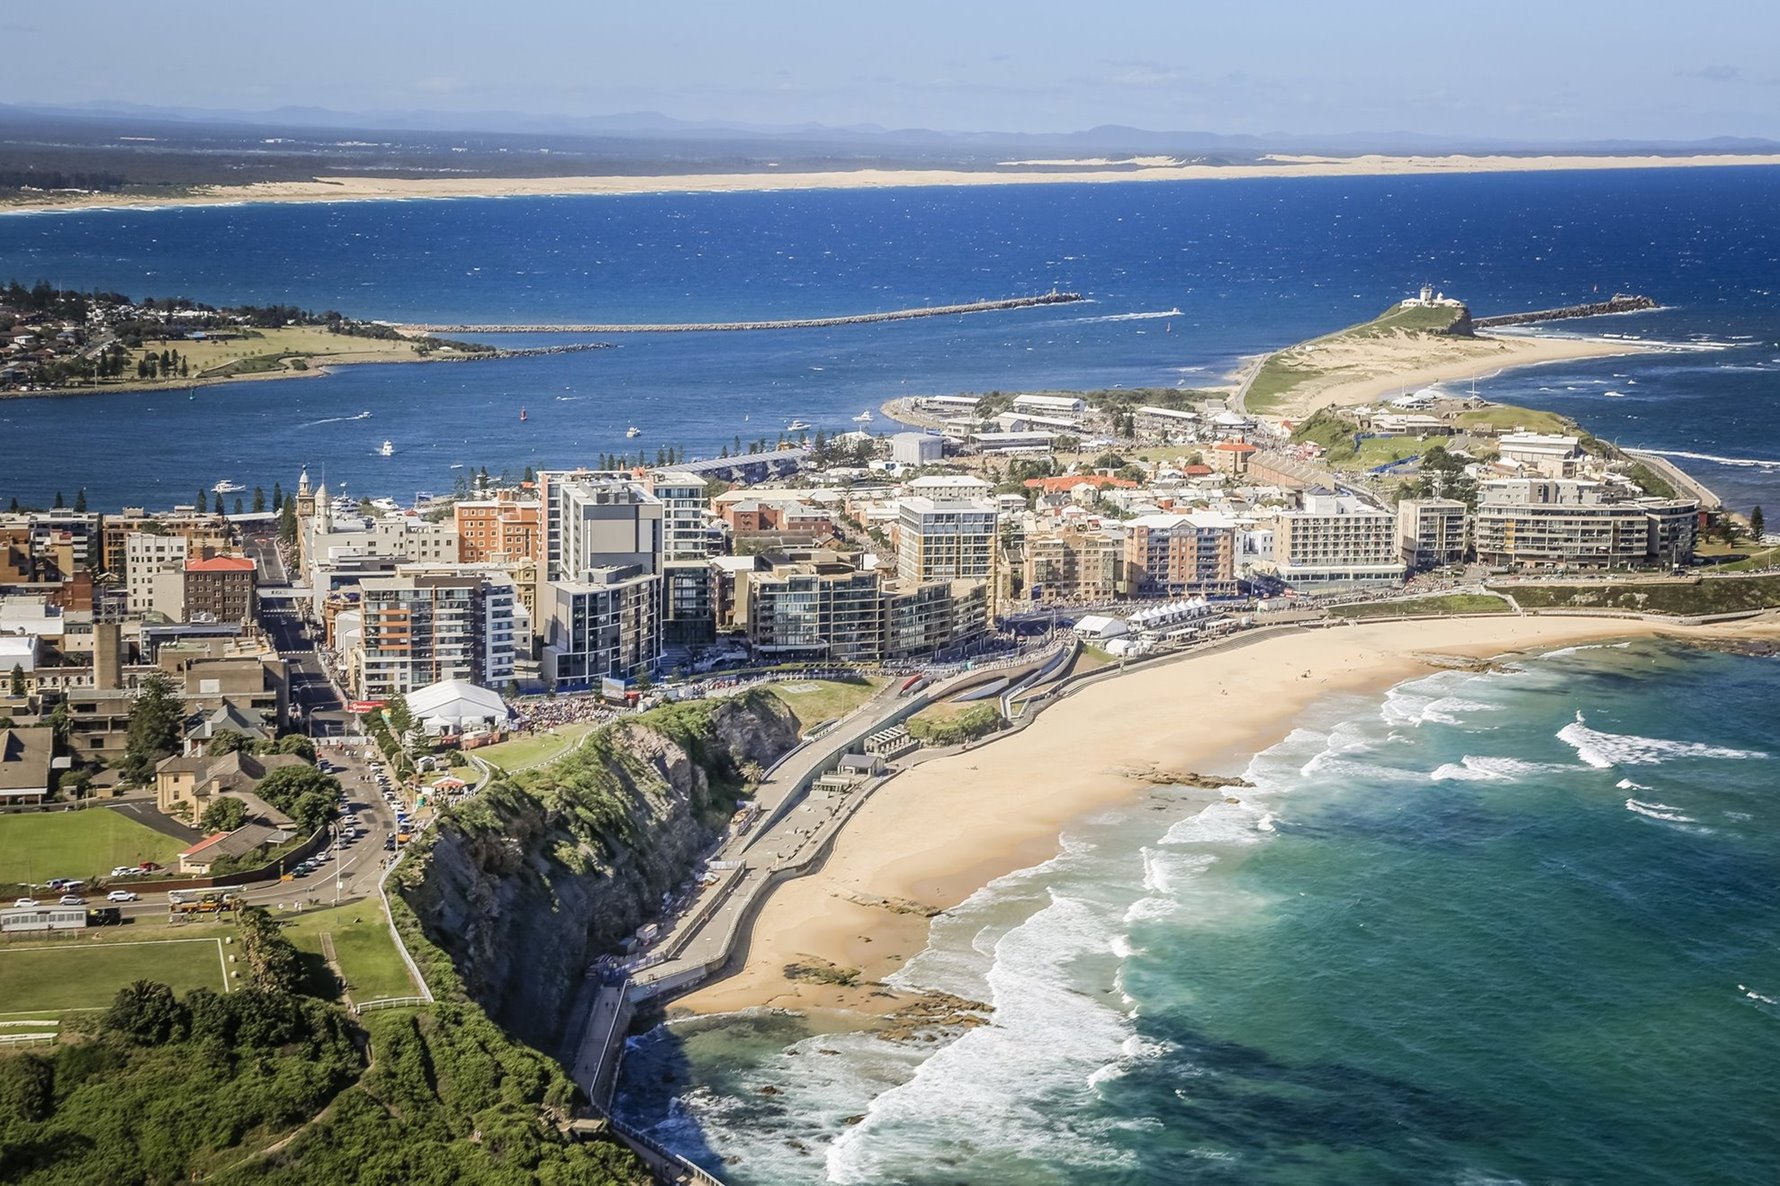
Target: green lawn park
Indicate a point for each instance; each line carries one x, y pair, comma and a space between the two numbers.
84, 844
60, 972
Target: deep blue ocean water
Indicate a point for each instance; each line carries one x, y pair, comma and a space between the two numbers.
1251, 265
1496, 928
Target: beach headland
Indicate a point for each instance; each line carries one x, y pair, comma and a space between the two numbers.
1006, 803
1084, 171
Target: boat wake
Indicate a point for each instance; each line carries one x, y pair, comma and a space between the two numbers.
1155, 316
336, 420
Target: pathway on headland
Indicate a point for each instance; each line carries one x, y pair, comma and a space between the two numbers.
1047, 298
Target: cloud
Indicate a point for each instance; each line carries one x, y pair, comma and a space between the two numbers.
1140, 73
1715, 73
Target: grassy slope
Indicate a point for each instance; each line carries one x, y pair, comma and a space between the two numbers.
1453, 603
84, 844
523, 751
1278, 376
368, 957
815, 701
1710, 596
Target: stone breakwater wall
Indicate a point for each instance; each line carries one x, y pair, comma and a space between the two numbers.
1048, 298
1619, 303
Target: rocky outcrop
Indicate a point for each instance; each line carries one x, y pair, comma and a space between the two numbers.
525, 884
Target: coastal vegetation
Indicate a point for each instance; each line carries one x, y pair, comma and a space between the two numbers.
513, 892
268, 1081
953, 724
1681, 597
1444, 605
1288, 372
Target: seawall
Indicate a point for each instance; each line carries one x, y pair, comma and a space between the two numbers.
1047, 298
1619, 303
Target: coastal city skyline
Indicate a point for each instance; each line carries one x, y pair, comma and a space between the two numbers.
831, 597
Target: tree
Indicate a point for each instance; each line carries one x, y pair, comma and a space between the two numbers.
80, 501
203, 500
154, 728
296, 743
400, 719
1758, 528
239, 505
227, 741
146, 1014
18, 679
304, 793
287, 520
259, 500
224, 815
60, 502
277, 495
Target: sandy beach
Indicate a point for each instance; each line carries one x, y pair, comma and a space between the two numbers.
1350, 372
1089, 171
1005, 804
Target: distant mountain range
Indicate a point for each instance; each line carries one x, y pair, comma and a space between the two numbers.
653, 127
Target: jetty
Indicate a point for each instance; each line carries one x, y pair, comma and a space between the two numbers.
1619, 302
1053, 297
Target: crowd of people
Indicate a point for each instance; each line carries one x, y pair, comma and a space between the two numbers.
539, 715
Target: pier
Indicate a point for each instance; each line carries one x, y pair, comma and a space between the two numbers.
1619, 302
1047, 298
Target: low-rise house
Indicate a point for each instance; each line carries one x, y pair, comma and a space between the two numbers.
247, 840
25, 760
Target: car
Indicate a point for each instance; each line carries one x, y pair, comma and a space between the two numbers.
299, 871
120, 896
389, 843
71, 900
25, 903
126, 871
149, 867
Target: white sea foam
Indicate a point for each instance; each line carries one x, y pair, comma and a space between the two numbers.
1752, 995
1038, 1059
1607, 750
1483, 768
1762, 463
1660, 811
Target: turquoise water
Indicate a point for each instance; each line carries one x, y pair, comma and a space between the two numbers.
1495, 928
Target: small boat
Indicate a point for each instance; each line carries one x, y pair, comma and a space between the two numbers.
388, 449
798, 426
522, 415
633, 432
226, 487
862, 418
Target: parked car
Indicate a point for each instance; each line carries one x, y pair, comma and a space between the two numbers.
149, 867
25, 903
71, 900
126, 871
120, 896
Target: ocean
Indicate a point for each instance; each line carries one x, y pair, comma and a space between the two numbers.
1491, 928
1249, 265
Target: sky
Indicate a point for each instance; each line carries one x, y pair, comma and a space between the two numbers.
1554, 70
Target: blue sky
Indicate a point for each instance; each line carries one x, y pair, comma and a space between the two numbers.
1551, 70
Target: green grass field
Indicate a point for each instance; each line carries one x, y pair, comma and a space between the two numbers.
1514, 418
1451, 603
815, 701
53, 975
523, 751
84, 844
368, 957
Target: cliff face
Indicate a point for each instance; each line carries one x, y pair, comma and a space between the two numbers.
541, 873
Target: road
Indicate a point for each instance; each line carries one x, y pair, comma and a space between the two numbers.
319, 702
